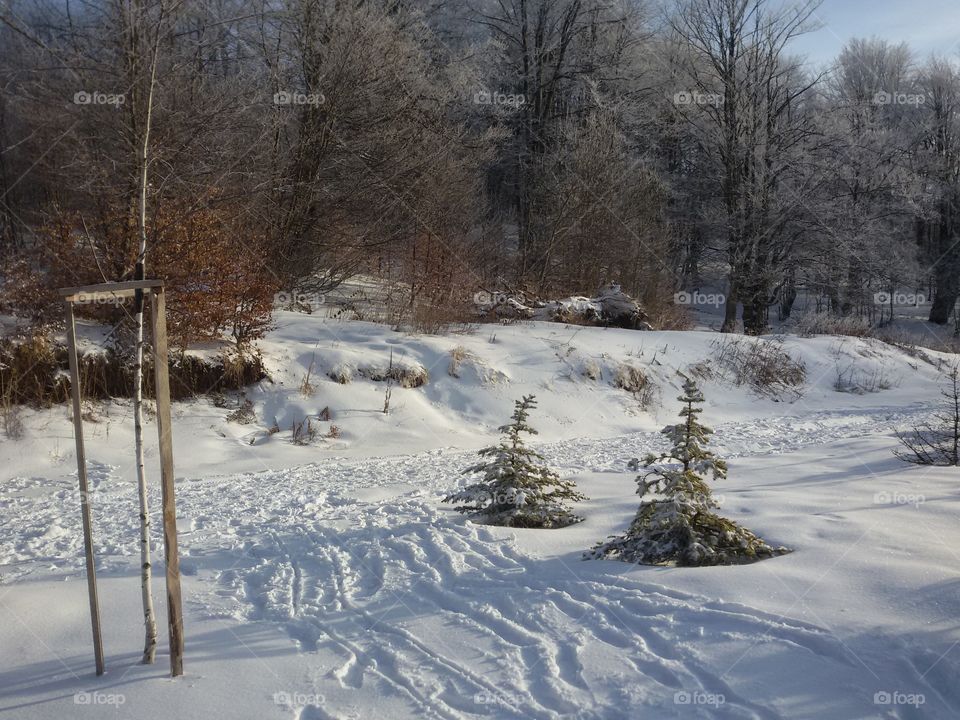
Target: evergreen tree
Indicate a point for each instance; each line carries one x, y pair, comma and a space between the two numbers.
680, 526
517, 489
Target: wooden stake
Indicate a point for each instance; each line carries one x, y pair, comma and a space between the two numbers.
171, 555
84, 490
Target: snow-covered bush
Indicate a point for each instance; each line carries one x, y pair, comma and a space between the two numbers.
632, 379
457, 357
517, 489
591, 369
406, 375
341, 373
681, 526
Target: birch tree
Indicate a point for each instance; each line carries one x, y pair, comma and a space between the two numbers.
142, 36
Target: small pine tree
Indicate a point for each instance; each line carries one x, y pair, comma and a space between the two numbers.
680, 527
937, 444
517, 489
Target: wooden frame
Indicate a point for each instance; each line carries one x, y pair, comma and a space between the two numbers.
117, 291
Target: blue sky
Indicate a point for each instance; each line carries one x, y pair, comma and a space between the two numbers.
927, 25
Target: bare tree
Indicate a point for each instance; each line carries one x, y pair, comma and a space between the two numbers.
862, 225
939, 233
938, 442
742, 103
142, 34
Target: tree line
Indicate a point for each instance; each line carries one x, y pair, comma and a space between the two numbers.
543, 146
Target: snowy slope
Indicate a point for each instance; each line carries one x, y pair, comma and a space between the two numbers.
327, 581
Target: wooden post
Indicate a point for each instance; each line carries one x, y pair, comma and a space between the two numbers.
84, 490
171, 555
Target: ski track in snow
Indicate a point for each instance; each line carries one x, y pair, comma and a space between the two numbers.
360, 579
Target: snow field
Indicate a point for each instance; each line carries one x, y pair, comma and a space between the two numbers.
333, 584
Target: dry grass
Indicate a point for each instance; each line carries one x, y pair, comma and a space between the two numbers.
458, 356
243, 414
822, 323
761, 364
632, 379
860, 382
35, 371
303, 432
406, 376
307, 388
11, 420
342, 374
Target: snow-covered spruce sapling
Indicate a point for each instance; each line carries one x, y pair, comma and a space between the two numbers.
680, 525
518, 489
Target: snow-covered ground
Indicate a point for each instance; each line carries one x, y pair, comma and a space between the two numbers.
328, 581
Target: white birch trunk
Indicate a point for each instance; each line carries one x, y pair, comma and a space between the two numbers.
146, 572
146, 569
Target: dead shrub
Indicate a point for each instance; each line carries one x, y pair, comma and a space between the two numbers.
214, 269
11, 420
761, 364
431, 319
822, 323
30, 372
860, 382
634, 381
35, 371
244, 414
342, 374
307, 388
630, 378
457, 357
406, 376
303, 432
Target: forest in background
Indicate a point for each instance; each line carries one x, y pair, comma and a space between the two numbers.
544, 147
